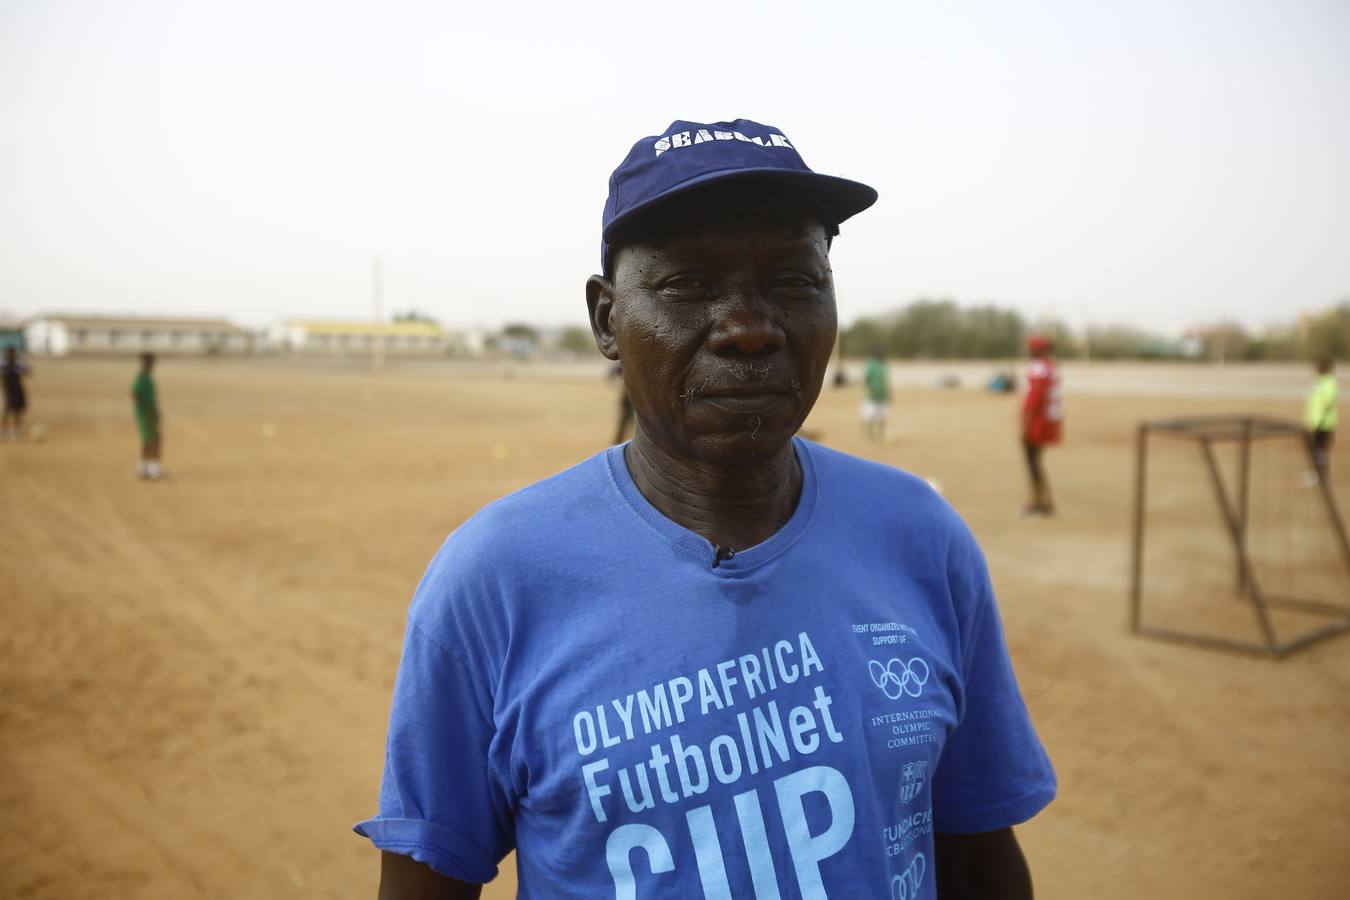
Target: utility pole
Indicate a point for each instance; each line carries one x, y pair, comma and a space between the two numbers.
377, 358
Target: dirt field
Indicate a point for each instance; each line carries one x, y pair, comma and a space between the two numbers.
195, 675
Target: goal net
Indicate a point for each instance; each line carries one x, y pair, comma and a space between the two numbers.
1237, 543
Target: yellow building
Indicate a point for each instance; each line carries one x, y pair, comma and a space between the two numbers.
336, 338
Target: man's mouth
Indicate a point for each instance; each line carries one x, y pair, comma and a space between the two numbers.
745, 402
743, 395
745, 390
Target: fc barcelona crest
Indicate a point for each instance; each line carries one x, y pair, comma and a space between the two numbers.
912, 777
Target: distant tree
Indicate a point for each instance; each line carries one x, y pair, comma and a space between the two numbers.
991, 332
575, 339
927, 328
941, 329
938, 329
414, 315
1275, 343
1068, 345
1223, 341
1328, 334
1271, 344
862, 337
519, 340
1124, 342
521, 331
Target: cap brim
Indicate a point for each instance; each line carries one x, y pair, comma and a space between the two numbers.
840, 197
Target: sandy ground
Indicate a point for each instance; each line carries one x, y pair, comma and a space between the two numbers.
195, 675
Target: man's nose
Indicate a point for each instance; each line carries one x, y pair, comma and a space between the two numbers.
744, 324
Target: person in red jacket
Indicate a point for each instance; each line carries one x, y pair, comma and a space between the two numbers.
1042, 417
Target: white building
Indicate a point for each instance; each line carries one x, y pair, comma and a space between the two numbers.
72, 335
358, 338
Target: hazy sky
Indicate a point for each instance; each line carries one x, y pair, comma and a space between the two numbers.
1160, 163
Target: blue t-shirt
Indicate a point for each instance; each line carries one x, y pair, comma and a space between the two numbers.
584, 681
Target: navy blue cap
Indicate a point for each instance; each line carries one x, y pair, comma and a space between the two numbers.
692, 154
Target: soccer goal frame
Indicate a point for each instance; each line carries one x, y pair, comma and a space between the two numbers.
1208, 432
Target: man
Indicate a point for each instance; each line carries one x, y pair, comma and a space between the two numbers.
146, 407
1042, 413
12, 373
756, 667
1319, 418
877, 385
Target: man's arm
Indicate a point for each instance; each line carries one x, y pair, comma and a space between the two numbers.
981, 866
404, 878
1032, 402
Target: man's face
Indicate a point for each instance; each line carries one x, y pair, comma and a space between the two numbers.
724, 334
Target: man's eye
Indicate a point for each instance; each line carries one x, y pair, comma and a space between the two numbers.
682, 285
795, 282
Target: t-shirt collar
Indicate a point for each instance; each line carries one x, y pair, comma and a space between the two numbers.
697, 547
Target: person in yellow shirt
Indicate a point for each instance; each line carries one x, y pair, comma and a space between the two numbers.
1320, 420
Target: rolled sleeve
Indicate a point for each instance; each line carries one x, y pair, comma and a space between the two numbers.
993, 773
441, 803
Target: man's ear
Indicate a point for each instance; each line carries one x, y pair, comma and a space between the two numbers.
600, 302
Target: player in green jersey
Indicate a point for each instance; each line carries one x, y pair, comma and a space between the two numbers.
146, 407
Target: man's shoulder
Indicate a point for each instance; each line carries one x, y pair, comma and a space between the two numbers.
833, 462
896, 518
512, 543
876, 486
537, 510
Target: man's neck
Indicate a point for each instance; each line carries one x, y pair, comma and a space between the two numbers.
733, 507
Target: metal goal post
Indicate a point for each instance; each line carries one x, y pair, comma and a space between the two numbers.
1233, 502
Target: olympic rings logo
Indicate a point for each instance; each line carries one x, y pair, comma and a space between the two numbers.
898, 677
905, 886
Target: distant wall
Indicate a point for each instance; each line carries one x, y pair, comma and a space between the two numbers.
55, 337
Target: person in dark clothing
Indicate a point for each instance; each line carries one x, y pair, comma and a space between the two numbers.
12, 373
